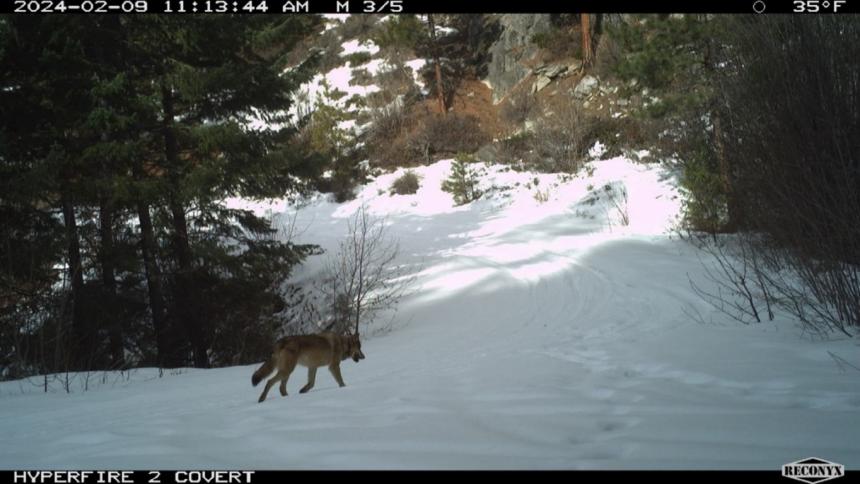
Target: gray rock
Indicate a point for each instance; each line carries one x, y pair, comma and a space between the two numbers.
586, 87
623, 102
511, 51
540, 83
604, 89
554, 71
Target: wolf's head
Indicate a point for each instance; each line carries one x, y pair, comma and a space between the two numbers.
353, 348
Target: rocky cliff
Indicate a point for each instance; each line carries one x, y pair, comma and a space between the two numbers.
512, 51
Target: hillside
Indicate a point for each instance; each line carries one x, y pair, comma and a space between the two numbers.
564, 241
541, 335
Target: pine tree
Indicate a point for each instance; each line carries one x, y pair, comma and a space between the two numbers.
213, 76
333, 145
462, 183
675, 58
45, 101
148, 117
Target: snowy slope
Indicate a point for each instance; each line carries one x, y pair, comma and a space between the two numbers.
341, 80
544, 335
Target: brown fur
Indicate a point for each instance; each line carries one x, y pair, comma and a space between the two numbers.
311, 351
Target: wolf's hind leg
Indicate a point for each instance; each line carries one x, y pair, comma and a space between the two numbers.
269, 384
282, 376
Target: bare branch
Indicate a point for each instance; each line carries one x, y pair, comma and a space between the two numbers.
362, 278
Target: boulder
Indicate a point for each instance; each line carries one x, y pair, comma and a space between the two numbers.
512, 50
586, 87
554, 71
541, 82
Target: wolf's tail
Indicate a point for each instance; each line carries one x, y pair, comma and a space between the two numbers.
264, 371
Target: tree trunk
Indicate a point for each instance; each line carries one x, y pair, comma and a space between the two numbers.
439, 90
587, 53
166, 355
109, 281
80, 338
187, 303
734, 210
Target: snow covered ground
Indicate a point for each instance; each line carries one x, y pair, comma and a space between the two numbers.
542, 335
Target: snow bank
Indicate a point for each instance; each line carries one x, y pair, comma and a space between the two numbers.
541, 334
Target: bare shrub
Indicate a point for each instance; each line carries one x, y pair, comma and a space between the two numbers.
560, 138
437, 135
791, 161
406, 184
618, 200
517, 109
362, 278
738, 287
750, 283
515, 150
386, 143
541, 196
617, 135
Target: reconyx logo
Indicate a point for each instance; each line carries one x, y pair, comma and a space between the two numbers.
813, 470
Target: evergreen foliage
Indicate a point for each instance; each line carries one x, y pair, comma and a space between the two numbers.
673, 60
463, 182
119, 137
401, 34
333, 146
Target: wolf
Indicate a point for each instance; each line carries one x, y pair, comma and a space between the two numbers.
311, 351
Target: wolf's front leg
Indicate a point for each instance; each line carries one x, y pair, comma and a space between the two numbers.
334, 368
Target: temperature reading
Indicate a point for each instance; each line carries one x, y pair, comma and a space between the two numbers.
815, 6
